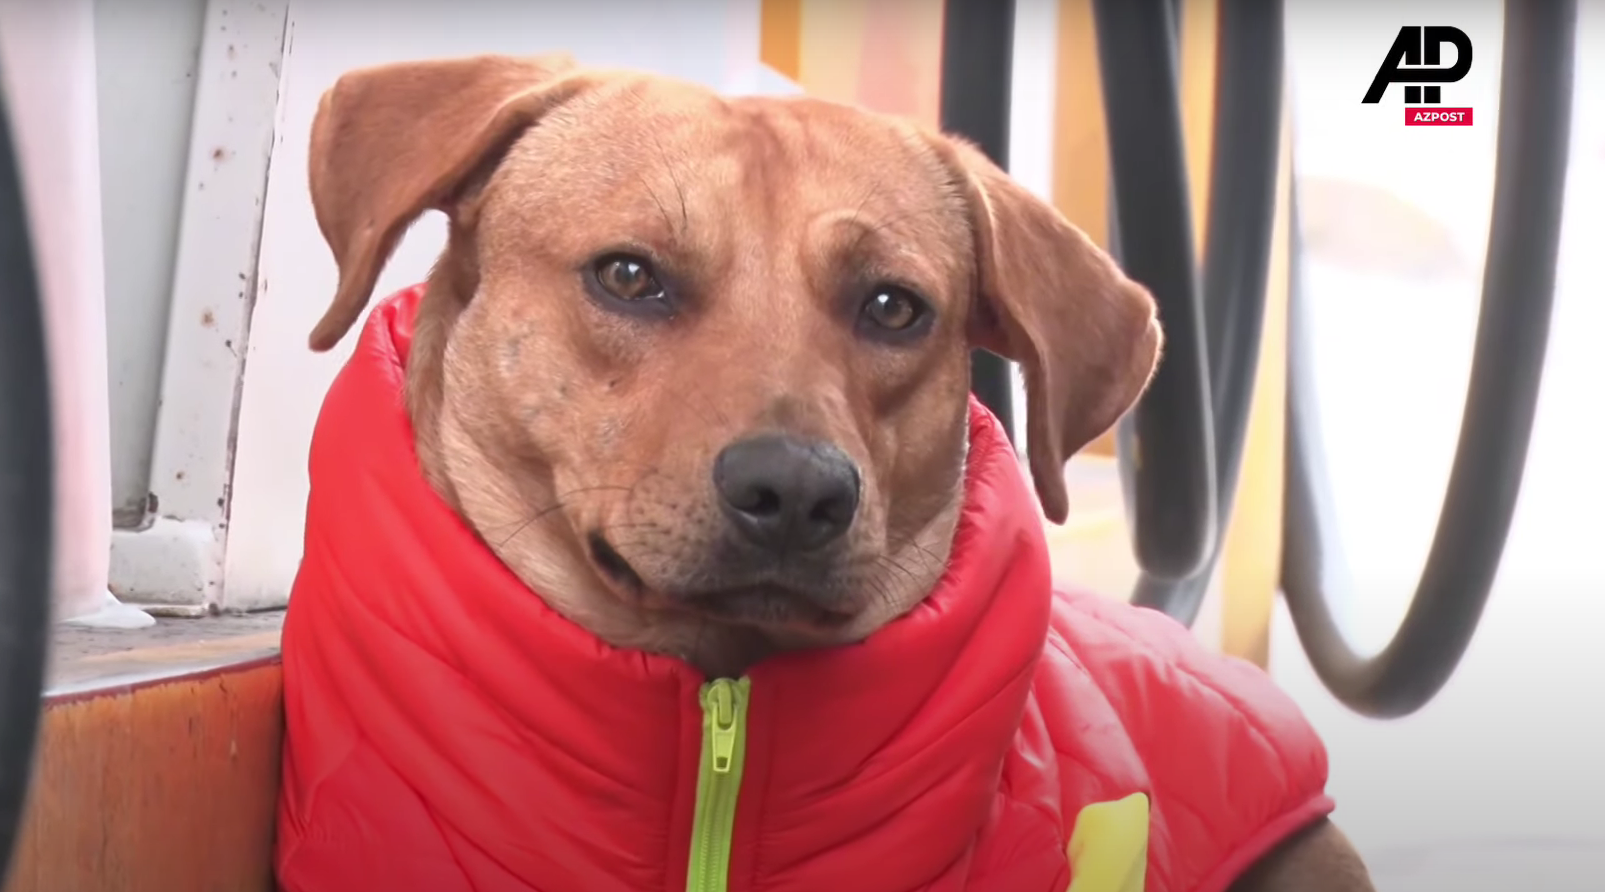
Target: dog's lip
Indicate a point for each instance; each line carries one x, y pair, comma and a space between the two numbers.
763, 605
750, 603
613, 564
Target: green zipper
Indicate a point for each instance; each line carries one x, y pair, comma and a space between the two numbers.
724, 748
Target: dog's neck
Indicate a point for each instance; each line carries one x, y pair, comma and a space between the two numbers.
451, 285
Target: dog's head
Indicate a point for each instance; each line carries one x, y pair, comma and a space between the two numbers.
702, 363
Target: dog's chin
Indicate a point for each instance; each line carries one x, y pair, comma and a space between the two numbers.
768, 607
765, 607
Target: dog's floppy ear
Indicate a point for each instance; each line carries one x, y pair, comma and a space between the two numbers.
1086, 337
393, 141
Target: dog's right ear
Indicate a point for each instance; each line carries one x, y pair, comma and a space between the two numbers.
1086, 337
393, 141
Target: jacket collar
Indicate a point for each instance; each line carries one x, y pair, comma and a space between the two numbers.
483, 697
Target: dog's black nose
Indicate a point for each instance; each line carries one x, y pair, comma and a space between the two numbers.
786, 494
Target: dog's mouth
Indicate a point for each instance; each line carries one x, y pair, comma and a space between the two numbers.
613, 565
764, 605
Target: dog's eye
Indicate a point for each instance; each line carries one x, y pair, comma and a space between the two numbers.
627, 278
893, 309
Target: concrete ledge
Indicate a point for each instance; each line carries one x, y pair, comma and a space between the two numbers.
170, 562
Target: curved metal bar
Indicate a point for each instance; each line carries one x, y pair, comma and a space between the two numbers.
25, 498
1237, 253
1501, 399
977, 76
1171, 437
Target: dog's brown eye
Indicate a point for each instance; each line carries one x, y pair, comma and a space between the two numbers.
893, 309
627, 278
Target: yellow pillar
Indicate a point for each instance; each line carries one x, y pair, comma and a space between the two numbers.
1080, 142
780, 37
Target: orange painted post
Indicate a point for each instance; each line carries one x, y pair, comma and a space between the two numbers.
780, 37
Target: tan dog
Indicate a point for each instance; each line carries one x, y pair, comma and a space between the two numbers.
783, 293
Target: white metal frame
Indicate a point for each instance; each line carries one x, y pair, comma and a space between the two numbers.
176, 561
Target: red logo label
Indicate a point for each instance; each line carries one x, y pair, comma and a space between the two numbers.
1427, 116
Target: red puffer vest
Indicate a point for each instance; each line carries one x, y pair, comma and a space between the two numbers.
448, 732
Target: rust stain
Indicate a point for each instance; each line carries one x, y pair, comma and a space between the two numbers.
172, 786
208, 319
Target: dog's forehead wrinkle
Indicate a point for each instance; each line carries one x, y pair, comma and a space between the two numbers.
613, 133
828, 140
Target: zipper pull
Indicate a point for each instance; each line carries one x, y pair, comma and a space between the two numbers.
722, 712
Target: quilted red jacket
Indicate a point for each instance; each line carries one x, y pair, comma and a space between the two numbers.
448, 732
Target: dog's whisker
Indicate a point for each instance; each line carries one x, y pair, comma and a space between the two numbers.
712, 406
556, 505
914, 543
630, 501
893, 564
879, 590
684, 397
528, 522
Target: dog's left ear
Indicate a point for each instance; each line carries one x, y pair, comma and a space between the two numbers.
1086, 337
393, 141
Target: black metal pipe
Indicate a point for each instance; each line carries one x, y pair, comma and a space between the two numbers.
1170, 434
26, 499
1237, 253
977, 74
1535, 102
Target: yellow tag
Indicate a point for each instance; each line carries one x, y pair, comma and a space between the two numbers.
1109, 847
